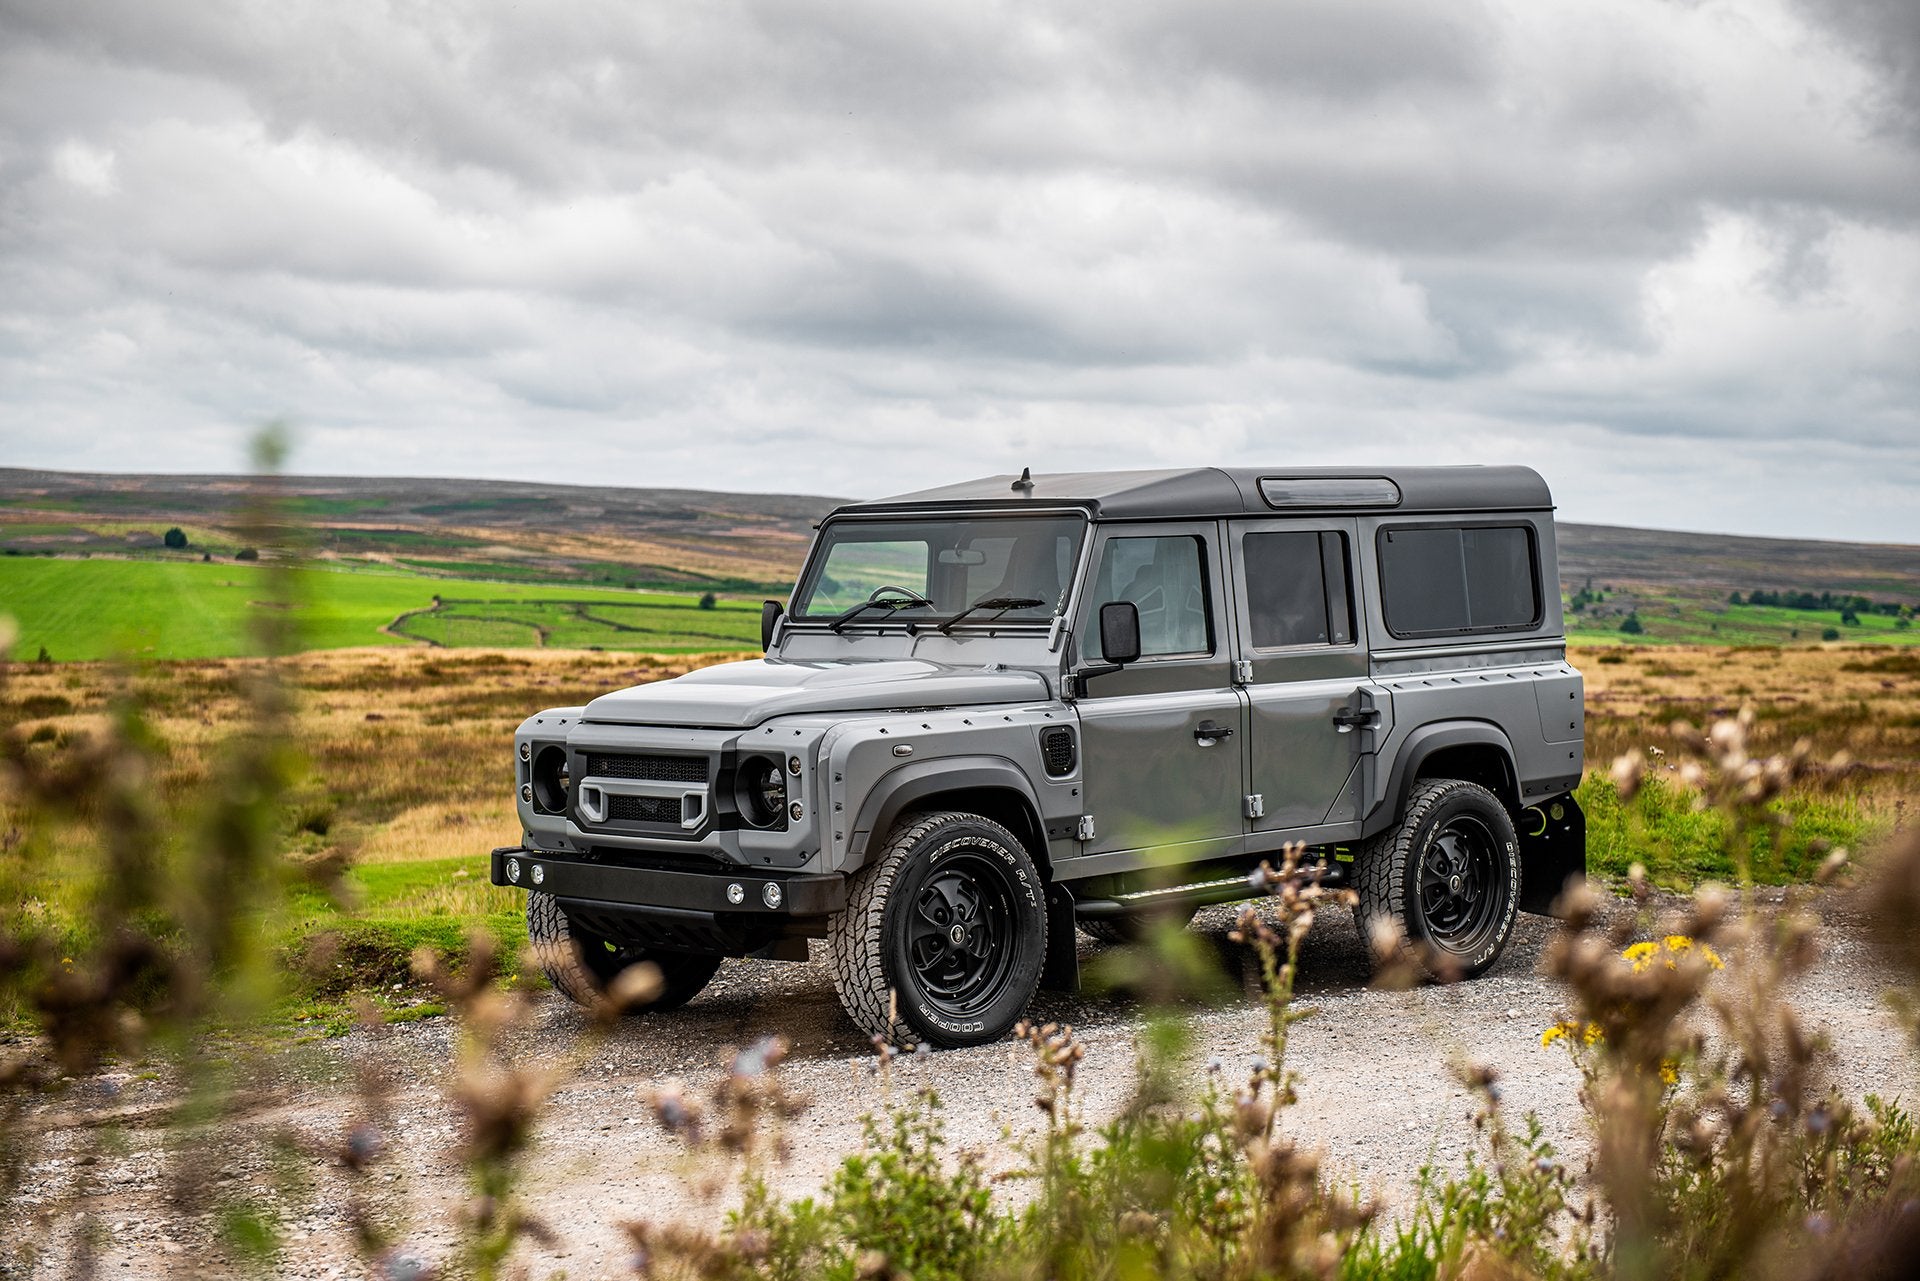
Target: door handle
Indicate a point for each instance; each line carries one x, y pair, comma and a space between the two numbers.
1348, 717
1206, 733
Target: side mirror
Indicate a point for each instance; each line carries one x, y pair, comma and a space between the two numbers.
1120, 631
770, 615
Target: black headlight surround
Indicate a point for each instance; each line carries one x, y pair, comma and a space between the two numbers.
760, 792
552, 785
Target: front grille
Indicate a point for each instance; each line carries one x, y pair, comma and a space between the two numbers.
644, 809
1056, 750
658, 769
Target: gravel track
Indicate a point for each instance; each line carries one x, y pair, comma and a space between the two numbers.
1377, 1094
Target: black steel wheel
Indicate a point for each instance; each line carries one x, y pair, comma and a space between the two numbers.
1442, 887
581, 964
944, 935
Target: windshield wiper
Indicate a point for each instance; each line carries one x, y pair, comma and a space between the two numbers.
999, 604
888, 603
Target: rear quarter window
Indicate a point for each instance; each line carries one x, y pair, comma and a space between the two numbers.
1455, 580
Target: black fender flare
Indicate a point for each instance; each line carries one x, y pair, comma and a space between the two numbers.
905, 786
1422, 743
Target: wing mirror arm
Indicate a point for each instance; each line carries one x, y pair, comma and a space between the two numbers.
1119, 645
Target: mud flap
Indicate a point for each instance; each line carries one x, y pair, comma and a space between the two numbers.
1061, 970
1553, 851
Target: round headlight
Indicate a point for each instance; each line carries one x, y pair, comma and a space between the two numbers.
550, 781
762, 791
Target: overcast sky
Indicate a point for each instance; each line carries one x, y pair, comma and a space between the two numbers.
1668, 253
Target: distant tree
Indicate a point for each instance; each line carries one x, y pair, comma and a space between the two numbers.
1902, 624
246, 553
44, 656
1849, 619
176, 538
1734, 599
709, 601
1631, 624
205, 557
1831, 633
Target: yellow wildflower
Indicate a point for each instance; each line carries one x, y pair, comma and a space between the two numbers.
1669, 950
1553, 1034
1592, 1034
1669, 1074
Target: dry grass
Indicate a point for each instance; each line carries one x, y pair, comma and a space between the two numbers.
1860, 700
410, 758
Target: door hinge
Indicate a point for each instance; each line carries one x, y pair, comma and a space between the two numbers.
1243, 671
1256, 806
1085, 830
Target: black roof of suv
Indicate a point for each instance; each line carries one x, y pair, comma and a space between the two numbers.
1239, 491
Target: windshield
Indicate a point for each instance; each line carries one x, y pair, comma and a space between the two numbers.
953, 563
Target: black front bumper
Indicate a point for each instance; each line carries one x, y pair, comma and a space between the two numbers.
677, 910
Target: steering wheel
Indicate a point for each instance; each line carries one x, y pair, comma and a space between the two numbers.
913, 597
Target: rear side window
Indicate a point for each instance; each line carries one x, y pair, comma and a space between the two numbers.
1458, 579
1297, 589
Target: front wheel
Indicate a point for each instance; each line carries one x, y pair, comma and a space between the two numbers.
943, 936
581, 964
1444, 885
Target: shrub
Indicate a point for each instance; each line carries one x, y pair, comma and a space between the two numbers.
1631, 625
175, 538
709, 601
1829, 634
246, 553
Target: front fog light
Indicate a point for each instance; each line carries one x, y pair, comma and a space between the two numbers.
770, 894
513, 870
736, 893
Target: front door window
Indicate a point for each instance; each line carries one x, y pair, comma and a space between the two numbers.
1166, 581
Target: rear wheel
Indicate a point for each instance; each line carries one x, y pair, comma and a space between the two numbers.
1444, 884
943, 935
581, 964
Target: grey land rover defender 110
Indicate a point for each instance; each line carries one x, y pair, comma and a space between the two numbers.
996, 711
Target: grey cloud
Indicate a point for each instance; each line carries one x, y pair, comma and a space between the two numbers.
836, 246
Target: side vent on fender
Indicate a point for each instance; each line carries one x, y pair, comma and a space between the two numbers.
1057, 750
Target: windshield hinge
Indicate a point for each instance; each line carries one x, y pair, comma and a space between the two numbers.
1243, 671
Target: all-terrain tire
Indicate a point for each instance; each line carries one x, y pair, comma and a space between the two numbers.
581, 964
1443, 884
1134, 926
885, 948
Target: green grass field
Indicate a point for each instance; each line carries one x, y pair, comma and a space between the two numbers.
1675, 619
101, 608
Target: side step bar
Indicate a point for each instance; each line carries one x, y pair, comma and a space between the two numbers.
1195, 894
